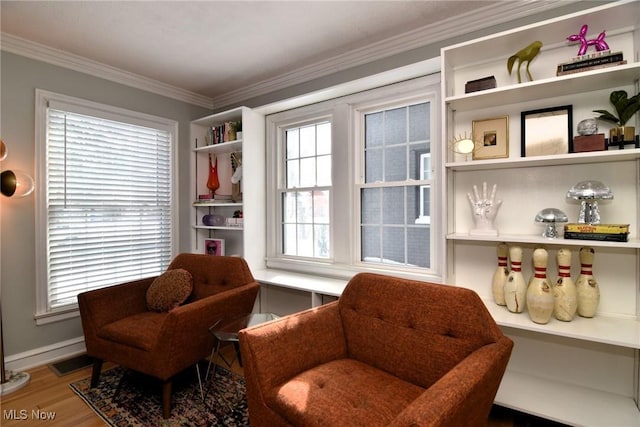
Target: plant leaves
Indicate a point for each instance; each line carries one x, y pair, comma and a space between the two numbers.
607, 116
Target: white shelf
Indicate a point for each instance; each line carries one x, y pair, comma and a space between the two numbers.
215, 227
301, 282
554, 160
223, 147
619, 331
539, 240
566, 403
605, 394
214, 203
545, 88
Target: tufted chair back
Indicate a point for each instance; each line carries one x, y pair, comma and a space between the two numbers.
213, 274
384, 329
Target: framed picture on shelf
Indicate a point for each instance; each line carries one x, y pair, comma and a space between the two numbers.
547, 131
491, 138
214, 247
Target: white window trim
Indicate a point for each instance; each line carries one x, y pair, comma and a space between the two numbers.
42, 315
345, 111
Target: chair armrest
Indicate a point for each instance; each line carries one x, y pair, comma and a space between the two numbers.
106, 305
185, 336
463, 396
276, 351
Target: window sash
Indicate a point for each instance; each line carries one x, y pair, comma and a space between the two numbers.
107, 205
348, 177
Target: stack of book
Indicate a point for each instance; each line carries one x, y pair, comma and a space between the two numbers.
592, 61
602, 232
223, 133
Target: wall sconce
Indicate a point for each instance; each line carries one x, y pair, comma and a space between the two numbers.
14, 183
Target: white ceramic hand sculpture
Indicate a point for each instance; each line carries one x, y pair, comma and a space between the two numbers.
484, 210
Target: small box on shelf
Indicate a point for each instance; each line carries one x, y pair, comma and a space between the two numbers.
480, 84
584, 143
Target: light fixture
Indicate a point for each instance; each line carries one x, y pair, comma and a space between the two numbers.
14, 183
588, 193
11, 381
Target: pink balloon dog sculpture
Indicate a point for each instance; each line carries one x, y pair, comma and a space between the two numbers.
598, 42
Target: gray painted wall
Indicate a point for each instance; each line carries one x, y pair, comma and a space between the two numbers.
20, 77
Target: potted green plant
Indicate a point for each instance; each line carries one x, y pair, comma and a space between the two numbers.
625, 109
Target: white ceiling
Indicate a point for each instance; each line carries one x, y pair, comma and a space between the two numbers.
217, 48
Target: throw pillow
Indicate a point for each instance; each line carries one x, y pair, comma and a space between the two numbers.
169, 290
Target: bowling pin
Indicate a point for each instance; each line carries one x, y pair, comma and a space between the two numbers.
564, 289
515, 289
500, 275
586, 286
539, 292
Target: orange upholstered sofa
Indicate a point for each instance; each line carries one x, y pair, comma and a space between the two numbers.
119, 327
390, 351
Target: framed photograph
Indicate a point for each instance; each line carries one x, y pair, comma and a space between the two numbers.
214, 247
491, 138
547, 131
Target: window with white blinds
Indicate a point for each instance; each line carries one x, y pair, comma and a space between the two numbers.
109, 200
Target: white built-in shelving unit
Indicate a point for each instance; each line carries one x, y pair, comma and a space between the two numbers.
247, 240
583, 372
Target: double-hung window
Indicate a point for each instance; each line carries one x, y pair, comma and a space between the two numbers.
306, 196
105, 211
352, 183
395, 186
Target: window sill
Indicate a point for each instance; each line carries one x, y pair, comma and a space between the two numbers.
57, 316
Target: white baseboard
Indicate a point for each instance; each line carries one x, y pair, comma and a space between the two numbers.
44, 355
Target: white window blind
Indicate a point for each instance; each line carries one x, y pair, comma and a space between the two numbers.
108, 202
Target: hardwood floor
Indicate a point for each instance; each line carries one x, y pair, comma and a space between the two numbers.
50, 397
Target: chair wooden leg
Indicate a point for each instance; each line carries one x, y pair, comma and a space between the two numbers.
166, 399
95, 374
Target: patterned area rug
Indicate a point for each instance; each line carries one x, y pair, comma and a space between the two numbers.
139, 400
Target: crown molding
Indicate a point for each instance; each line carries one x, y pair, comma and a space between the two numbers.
40, 52
459, 25
449, 28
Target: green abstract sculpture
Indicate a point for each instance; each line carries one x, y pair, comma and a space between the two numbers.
527, 54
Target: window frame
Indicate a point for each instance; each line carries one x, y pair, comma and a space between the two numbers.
361, 110
43, 314
347, 142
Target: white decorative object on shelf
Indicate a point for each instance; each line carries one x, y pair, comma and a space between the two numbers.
539, 292
564, 289
515, 289
484, 210
586, 285
501, 274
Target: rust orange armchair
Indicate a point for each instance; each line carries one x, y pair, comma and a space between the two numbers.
390, 351
119, 327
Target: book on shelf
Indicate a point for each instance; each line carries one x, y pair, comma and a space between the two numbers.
589, 62
591, 68
597, 228
224, 132
593, 54
603, 237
